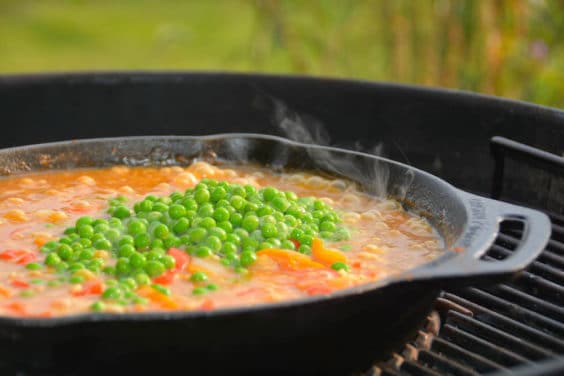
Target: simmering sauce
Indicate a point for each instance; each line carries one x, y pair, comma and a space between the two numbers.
50, 265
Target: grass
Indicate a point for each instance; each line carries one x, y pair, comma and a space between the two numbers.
511, 48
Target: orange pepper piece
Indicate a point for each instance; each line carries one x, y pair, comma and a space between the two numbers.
158, 298
290, 259
324, 255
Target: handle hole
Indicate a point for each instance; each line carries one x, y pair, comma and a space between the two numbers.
509, 236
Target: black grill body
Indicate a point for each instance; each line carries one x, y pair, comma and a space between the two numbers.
514, 327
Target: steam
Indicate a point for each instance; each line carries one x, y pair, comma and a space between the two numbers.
372, 174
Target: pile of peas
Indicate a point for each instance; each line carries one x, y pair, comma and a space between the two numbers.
228, 220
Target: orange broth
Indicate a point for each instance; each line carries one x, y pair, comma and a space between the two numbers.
36, 208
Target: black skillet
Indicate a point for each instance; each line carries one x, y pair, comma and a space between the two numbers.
334, 334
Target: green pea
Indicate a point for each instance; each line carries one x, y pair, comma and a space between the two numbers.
155, 216
251, 207
225, 226
326, 235
129, 283
237, 202
97, 306
86, 254
236, 219
306, 240
121, 212
99, 221
247, 258
269, 230
233, 238
228, 247
241, 270
161, 231
340, 266
291, 196
241, 233
112, 235
282, 229
86, 220
97, 237
305, 249
206, 210
218, 193
160, 288
111, 293
109, 270
203, 252
76, 279
250, 223
199, 291
197, 234
104, 244
199, 277
288, 244
126, 250
213, 242
95, 265
202, 196
290, 220
76, 247
64, 251
142, 240
85, 242
218, 232
181, 226
27, 293
76, 266
65, 240
85, 231
70, 230
168, 261
280, 203
160, 207
221, 214
190, 204
212, 287
146, 206
264, 210
142, 279
269, 193
154, 255
154, 268
207, 222
33, 266
135, 227
172, 242
262, 245
62, 266
126, 239
101, 228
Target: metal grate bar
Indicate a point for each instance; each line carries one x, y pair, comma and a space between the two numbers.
470, 359
498, 337
444, 365
495, 323
555, 246
546, 271
482, 347
416, 369
502, 306
558, 232
533, 303
540, 287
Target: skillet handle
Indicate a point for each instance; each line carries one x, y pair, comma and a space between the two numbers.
484, 217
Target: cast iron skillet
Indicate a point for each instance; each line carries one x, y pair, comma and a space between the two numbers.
333, 334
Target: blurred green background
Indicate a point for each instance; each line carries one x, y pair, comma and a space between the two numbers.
510, 48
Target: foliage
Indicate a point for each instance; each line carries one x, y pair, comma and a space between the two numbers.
510, 48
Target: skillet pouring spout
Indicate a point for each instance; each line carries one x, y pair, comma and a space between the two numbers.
327, 334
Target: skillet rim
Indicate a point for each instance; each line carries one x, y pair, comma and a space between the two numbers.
73, 319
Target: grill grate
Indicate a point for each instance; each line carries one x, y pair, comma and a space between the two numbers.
511, 328
488, 329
